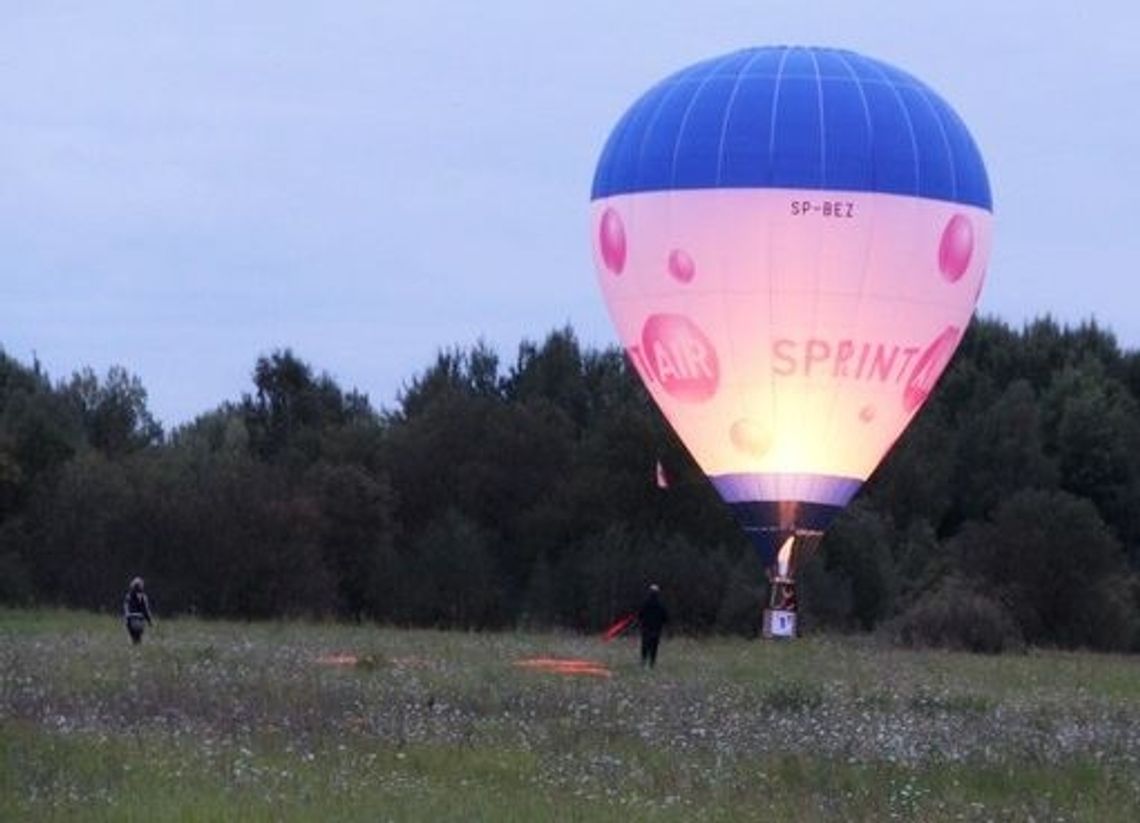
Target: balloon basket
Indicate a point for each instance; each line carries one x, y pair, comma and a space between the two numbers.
780, 616
779, 624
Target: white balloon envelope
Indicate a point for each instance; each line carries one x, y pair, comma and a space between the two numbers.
790, 242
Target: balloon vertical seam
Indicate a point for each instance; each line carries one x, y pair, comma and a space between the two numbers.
871, 219
772, 118
672, 89
684, 121
925, 94
822, 120
728, 109
889, 82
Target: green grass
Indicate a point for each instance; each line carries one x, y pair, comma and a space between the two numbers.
225, 721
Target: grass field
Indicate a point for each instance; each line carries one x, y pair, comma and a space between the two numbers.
231, 721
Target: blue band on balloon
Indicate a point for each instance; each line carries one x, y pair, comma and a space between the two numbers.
824, 489
794, 118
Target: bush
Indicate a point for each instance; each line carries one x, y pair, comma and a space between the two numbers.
956, 617
1109, 620
742, 604
15, 582
826, 600
858, 548
1058, 568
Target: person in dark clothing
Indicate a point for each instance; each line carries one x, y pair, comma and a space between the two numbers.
136, 611
652, 617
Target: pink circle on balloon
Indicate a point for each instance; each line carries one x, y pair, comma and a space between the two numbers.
750, 437
681, 265
867, 414
680, 357
611, 241
956, 248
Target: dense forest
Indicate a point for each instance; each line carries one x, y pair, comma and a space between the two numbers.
522, 494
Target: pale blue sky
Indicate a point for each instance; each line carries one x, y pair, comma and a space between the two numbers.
187, 185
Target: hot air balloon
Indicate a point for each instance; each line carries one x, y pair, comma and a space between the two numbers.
790, 242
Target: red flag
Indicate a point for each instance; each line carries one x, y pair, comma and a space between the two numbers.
662, 480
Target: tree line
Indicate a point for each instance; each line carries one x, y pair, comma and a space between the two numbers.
522, 494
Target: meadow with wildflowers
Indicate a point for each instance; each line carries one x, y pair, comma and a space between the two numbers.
299, 721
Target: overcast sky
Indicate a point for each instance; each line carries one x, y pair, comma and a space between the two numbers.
187, 185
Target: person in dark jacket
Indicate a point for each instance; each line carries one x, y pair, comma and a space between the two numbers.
136, 611
652, 617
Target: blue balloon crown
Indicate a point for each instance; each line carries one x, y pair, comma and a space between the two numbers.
797, 118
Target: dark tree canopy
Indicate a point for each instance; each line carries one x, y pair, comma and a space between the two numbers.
524, 494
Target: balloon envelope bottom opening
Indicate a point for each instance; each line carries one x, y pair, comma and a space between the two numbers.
783, 552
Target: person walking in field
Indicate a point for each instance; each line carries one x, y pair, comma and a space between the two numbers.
136, 611
651, 617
